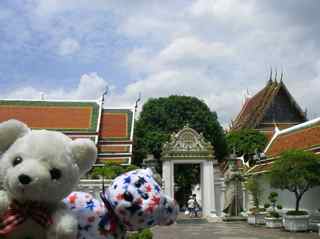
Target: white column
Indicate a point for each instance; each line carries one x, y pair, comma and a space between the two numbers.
209, 209
167, 175
222, 195
244, 198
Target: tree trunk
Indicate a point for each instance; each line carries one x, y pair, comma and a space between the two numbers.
298, 198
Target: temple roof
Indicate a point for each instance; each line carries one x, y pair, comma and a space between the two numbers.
305, 136
254, 109
110, 128
116, 124
66, 116
116, 135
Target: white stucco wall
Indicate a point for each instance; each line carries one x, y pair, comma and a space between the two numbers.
310, 200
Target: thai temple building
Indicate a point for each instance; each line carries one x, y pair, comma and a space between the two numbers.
274, 112
305, 136
272, 106
110, 128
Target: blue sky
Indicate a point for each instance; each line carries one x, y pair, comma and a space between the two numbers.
212, 49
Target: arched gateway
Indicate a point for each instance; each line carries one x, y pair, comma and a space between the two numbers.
190, 147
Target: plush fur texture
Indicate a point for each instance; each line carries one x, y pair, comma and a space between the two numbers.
41, 166
135, 202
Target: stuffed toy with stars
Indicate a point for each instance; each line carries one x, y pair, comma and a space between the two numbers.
38, 169
133, 201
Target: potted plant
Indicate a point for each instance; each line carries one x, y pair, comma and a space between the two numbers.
256, 214
273, 218
296, 171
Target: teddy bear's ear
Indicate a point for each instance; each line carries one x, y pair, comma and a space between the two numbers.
10, 131
85, 154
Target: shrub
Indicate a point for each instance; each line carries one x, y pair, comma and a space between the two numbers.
111, 170
144, 234
296, 171
279, 207
266, 205
274, 214
273, 198
254, 188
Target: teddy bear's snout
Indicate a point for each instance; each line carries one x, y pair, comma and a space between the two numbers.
24, 179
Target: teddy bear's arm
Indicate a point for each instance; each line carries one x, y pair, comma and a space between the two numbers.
65, 225
4, 202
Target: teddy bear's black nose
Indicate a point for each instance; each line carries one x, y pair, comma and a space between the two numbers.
24, 179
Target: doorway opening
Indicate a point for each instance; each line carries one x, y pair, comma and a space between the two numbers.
186, 184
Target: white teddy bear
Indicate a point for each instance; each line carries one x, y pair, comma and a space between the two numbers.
39, 168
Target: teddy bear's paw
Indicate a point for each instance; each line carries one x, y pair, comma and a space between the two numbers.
64, 228
4, 202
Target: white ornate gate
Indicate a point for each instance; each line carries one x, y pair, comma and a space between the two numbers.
190, 147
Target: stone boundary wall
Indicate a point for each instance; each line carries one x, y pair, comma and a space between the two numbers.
93, 186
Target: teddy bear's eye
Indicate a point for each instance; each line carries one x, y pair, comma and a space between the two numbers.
55, 174
17, 160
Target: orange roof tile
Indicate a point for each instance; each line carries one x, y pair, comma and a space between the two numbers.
304, 138
116, 124
268, 134
113, 149
66, 116
254, 108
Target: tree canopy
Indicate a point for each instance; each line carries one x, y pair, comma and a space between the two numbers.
296, 171
162, 116
246, 141
111, 170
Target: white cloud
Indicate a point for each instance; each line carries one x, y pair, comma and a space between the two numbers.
193, 49
187, 52
90, 87
224, 9
214, 50
68, 46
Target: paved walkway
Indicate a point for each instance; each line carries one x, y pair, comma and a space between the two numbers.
225, 230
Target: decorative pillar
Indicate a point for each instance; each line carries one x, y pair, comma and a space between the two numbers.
244, 198
207, 175
167, 175
222, 194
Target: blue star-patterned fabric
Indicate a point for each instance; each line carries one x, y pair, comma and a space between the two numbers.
134, 201
92, 215
139, 202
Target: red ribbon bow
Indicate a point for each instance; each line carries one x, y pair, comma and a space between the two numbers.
19, 213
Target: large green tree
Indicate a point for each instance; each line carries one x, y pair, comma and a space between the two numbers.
246, 141
162, 116
296, 171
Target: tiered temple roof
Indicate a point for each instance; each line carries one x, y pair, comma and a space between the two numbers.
305, 136
110, 128
272, 105
116, 135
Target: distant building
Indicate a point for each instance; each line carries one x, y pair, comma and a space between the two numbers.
110, 128
272, 106
274, 112
305, 136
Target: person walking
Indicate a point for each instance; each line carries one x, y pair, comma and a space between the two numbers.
195, 205
191, 205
